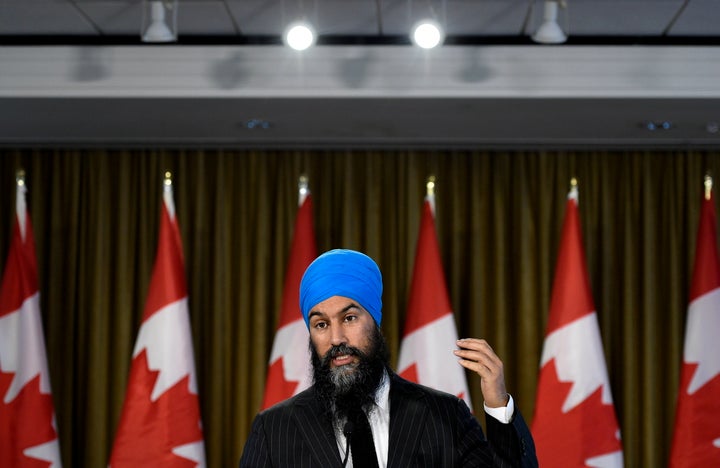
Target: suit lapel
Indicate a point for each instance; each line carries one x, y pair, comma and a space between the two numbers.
407, 418
317, 433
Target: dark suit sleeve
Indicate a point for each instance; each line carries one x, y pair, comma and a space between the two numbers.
255, 453
507, 445
512, 441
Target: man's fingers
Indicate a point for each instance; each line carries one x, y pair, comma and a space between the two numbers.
479, 351
478, 356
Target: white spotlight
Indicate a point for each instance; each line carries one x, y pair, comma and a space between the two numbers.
427, 34
299, 36
550, 31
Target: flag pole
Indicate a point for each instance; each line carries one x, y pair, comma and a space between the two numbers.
572, 357
430, 330
160, 421
302, 189
289, 371
708, 186
28, 429
695, 435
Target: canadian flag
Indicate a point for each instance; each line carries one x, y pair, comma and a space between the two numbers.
28, 434
696, 441
426, 351
289, 368
160, 423
574, 423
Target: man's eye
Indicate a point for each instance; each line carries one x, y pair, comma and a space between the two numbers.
350, 318
320, 325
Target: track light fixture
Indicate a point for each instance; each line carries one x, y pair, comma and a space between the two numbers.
550, 31
299, 36
159, 21
427, 34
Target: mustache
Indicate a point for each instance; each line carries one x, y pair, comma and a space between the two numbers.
341, 350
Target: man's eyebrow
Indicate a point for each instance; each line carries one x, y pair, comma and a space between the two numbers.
314, 313
352, 305
344, 310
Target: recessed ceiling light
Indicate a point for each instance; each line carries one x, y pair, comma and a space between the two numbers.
299, 36
427, 34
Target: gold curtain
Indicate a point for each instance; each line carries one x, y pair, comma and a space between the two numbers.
499, 215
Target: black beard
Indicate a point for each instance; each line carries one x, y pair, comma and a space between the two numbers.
342, 390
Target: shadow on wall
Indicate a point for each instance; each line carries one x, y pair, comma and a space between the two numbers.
475, 70
354, 71
93, 64
229, 73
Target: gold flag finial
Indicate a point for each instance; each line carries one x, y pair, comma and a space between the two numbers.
20, 177
708, 186
303, 190
430, 186
168, 178
573, 194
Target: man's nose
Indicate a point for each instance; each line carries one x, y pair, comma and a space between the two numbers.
337, 335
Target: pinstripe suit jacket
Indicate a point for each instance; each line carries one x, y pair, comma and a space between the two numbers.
427, 429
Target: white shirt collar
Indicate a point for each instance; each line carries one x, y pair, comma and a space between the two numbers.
382, 397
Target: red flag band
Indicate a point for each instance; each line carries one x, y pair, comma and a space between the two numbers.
28, 434
289, 367
696, 440
574, 423
426, 351
160, 423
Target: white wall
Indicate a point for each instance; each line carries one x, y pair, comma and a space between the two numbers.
374, 95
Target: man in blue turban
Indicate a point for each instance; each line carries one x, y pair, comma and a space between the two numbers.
358, 412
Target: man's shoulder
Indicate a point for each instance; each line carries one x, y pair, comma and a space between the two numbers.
286, 407
399, 384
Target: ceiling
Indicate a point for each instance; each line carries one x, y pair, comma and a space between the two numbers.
348, 20
74, 73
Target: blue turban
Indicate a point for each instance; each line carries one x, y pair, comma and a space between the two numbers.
344, 273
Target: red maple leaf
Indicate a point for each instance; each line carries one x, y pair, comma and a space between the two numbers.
278, 389
149, 431
26, 422
569, 439
697, 424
